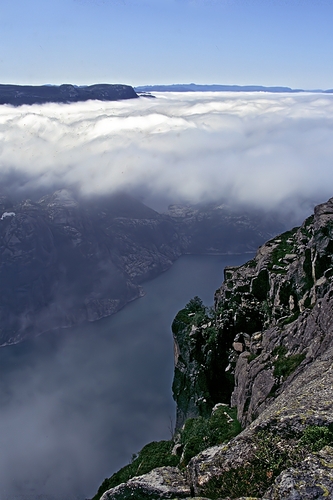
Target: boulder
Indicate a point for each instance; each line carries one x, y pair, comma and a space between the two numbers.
160, 483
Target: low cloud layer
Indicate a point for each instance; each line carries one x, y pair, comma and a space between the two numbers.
77, 404
261, 149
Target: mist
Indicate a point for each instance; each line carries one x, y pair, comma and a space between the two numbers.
77, 403
271, 151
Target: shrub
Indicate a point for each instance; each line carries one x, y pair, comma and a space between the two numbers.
200, 433
285, 365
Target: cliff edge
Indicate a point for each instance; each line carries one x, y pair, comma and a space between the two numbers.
266, 350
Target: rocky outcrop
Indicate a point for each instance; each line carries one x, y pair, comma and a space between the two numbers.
271, 315
163, 482
18, 95
271, 330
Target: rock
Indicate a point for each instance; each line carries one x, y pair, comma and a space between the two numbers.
283, 379
261, 308
238, 346
312, 478
161, 483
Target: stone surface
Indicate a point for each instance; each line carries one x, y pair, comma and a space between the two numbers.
161, 483
311, 479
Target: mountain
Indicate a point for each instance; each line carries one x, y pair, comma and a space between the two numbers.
192, 87
17, 95
66, 260
265, 351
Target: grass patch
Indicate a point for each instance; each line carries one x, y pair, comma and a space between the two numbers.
285, 365
272, 455
201, 433
283, 248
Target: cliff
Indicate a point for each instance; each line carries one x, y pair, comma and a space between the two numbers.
65, 259
266, 349
18, 95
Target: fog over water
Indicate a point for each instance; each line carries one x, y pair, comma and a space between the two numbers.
76, 404
268, 150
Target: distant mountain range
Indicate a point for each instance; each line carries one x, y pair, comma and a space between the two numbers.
17, 95
192, 87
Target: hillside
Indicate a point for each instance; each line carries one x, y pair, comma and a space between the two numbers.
266, 351
66, 259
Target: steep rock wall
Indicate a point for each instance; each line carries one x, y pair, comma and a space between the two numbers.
274, 319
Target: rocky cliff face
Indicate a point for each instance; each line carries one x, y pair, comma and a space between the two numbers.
17, 95
253, 309
66, 260
267, 346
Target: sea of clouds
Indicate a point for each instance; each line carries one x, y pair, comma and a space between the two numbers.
255, 148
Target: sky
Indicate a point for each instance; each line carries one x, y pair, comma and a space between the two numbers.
263, 42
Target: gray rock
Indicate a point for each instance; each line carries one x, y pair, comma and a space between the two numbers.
160, 483
313, 478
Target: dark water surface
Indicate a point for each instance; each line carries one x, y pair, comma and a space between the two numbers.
76, 404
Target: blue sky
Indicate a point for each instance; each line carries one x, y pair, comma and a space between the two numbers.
267, 42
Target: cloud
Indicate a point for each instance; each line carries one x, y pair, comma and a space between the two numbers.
261, 149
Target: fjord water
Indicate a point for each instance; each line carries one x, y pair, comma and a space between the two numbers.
77, 403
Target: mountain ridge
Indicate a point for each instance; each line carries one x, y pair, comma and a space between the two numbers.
193, 87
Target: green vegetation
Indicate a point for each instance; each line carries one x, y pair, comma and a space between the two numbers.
194, 313
285, 365
201, 433
322, 263
291, 318
307, 268
272, 455
197, 435
284, 247
316, 437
